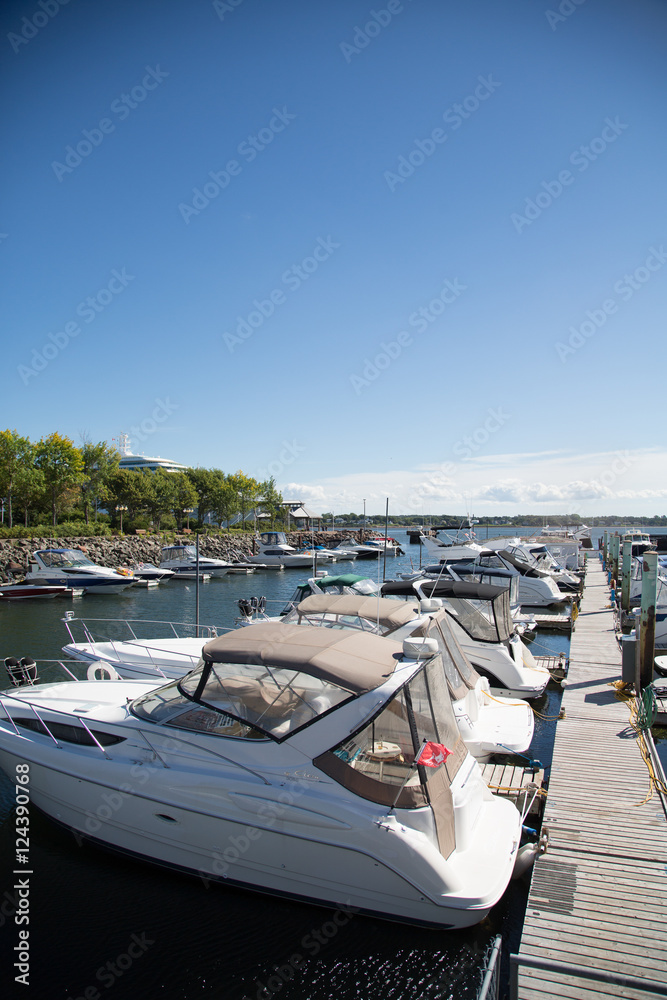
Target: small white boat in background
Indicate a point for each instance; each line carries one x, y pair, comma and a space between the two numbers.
72, 568
275, 551
182, 559
27, 591
148, 575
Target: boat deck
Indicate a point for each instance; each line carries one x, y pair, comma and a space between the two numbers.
598, 897
519, 784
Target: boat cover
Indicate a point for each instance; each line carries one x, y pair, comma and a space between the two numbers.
355, 661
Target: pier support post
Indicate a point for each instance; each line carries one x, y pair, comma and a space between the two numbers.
605, 550
646, 637
615, 552
626, 571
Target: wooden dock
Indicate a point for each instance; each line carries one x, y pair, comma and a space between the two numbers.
598, 897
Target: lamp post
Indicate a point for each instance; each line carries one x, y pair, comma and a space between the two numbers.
120, 510
364, 513
187, 511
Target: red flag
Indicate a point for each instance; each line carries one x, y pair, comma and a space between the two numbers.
432, 755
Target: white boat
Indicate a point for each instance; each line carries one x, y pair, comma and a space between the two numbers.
287, 763
274, 550
72, 568
182, 559
487, 723
27, 591
137, 649
148, 575
482, 623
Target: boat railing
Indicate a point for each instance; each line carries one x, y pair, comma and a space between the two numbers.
92, 633
112, 729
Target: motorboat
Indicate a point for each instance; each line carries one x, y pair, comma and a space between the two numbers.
148, 575
342, 583
482, 623
538, 556
137, 649
471, 572
319, 765
639, 540
183, 559
274, 550
450, 548
537, 588
488, 724
27, 591
72, 568
390, 544
358, 550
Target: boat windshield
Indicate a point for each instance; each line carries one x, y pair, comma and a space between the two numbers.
276, 701
64, 558
329, 620
167, 706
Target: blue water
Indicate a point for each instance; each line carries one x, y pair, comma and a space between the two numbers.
213, 941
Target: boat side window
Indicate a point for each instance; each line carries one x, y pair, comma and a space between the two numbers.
503, 615
472, 619
377, 763
452, 653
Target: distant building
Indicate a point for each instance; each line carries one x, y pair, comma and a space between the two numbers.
140, 463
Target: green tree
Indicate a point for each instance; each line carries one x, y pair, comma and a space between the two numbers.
206, 482
62, 465
184, 495
226, 502
127, 488
29, 490
160, 492
270, 499
15, 455
247, 491
100, 462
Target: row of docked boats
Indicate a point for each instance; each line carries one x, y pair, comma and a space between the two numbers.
60, 572
331, 754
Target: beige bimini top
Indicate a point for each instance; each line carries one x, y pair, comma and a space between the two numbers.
355, 661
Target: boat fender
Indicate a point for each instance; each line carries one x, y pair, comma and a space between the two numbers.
101, 671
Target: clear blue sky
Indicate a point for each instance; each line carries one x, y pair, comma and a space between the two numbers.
490, 399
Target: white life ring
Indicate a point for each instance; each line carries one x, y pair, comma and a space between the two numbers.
101, 671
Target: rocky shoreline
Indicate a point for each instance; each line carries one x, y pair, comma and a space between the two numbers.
127, 550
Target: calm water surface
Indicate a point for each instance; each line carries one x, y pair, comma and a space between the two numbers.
89, 906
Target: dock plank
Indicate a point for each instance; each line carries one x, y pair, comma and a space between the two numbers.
598, 897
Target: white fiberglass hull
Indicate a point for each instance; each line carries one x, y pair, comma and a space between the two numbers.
271, 840
540, 592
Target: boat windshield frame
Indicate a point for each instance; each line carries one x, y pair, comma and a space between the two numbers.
69, 558
292, 693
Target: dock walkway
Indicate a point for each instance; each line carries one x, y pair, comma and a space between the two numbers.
598, 897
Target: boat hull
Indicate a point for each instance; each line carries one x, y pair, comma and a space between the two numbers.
272, 840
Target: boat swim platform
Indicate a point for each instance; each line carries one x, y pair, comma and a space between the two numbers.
598, 897
553, 623
520, 784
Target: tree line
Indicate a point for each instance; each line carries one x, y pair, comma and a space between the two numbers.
53, 480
